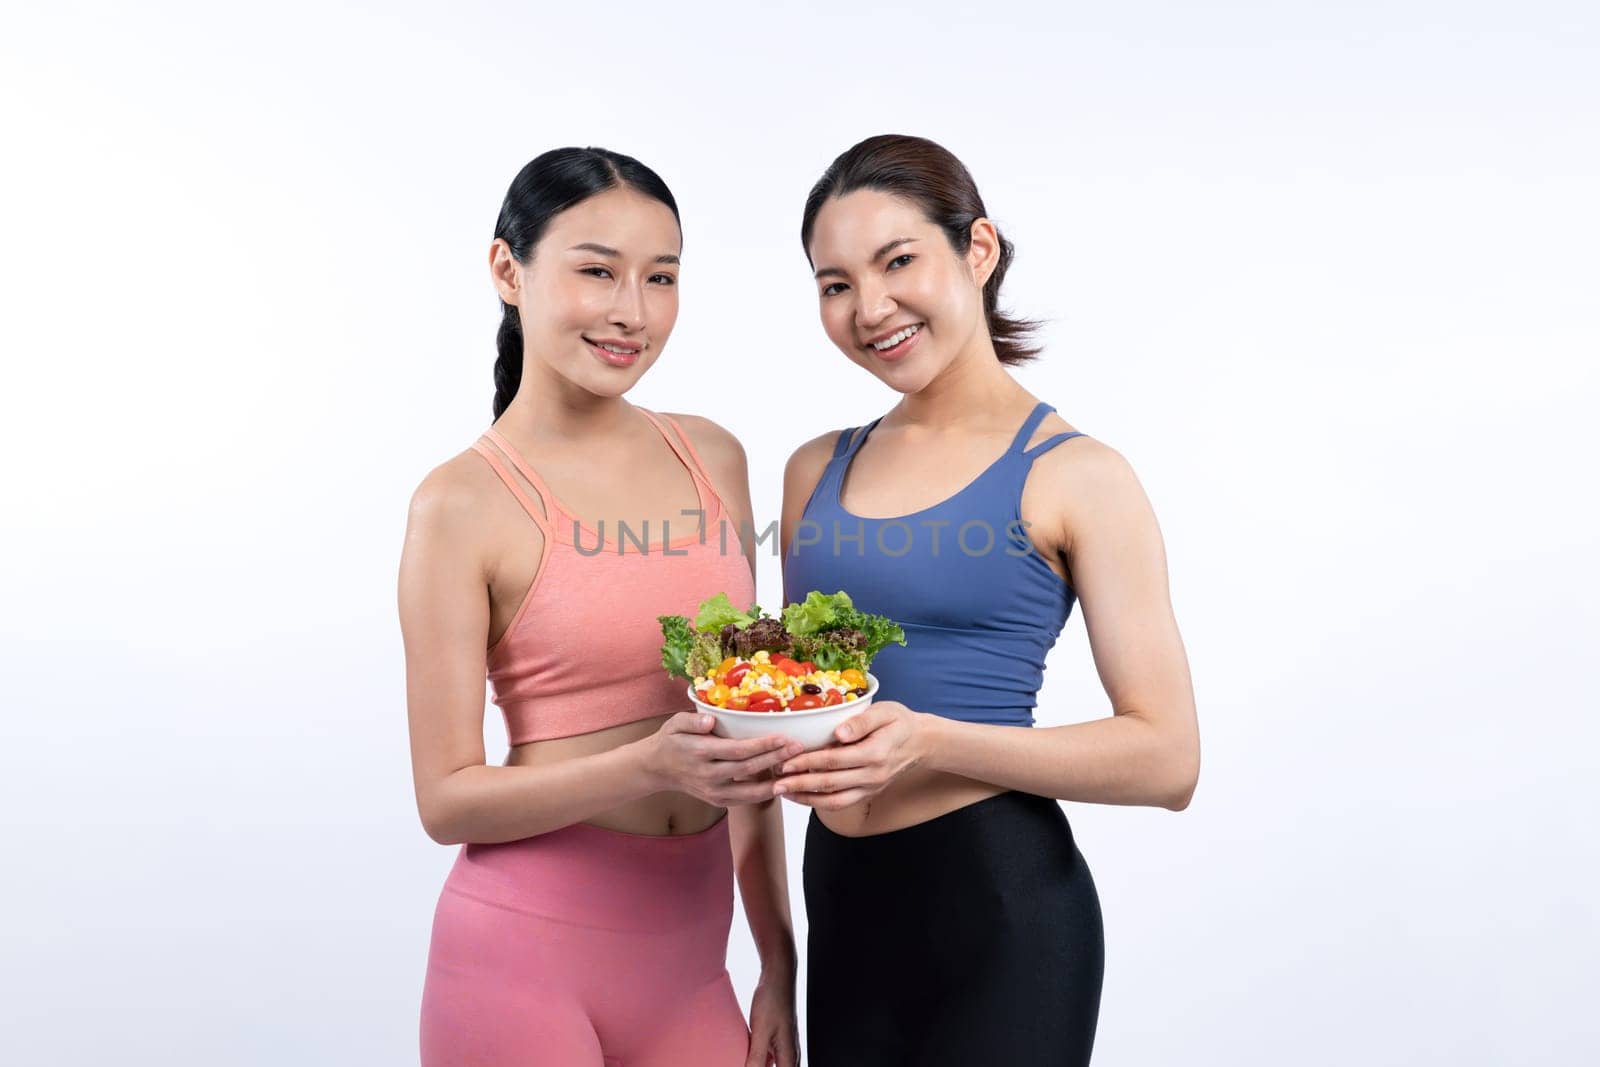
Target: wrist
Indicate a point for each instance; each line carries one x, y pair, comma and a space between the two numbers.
780, 961
928, 739
643, 765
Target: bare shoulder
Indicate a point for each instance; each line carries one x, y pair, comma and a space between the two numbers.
719, 449
1085, 463
806, 463
1080, 482
449, 503
801, 474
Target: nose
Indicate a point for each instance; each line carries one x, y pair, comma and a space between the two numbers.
873, 304
627, 306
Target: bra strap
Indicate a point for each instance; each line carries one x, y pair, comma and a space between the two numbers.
856, 440
1035, 417
686, 453
843, 443
688, 456
1049, 443
549, 498
540, 519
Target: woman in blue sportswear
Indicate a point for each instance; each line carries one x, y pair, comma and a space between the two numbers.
952, 919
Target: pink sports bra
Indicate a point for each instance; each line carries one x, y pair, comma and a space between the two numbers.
583, 651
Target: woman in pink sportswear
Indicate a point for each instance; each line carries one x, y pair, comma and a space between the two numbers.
585, 921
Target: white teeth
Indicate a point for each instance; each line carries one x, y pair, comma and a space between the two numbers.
890, 342
619, 351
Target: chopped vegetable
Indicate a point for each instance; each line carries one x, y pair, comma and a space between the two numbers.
815, 655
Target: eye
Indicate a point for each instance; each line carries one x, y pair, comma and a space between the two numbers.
833, 289
597, 272
663, 279
902, 259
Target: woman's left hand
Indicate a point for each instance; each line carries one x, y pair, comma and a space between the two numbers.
875, 747
774, 1030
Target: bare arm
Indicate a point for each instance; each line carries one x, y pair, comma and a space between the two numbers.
444, 618
760, 866
1146, 753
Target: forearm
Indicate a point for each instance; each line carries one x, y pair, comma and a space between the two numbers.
491, 804
1124, 759
758, 859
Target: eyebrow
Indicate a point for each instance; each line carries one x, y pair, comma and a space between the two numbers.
835, 272
603, 250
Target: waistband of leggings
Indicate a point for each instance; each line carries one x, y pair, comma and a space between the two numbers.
1010, 806
608, 878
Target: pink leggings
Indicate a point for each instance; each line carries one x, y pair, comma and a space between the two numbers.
585, 947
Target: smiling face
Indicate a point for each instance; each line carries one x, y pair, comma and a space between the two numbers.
598, 296
895, 296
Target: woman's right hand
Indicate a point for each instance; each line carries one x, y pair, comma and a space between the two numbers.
683, 756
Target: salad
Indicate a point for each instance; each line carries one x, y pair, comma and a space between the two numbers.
814, 655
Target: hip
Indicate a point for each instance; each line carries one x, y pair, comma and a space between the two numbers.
1011, 851
616, 931
973, 937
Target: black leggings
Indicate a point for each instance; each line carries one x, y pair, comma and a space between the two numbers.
970, 940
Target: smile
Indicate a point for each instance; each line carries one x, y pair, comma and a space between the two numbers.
894, 342
895, 338
621, 350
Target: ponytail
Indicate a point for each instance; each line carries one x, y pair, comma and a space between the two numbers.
508, 365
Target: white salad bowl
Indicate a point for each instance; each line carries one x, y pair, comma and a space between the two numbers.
813, 727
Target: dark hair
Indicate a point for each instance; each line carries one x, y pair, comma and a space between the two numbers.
928, 175
551, 183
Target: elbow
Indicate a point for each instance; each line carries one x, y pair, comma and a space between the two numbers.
1184, 775
448, 808
439, 829
439, 823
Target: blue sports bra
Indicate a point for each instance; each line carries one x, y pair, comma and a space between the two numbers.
979, 604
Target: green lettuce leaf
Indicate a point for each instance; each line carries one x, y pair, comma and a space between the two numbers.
829, 655
719, 612
678, 642
816, 613
827, 630
704, 656
878, 630
812, 620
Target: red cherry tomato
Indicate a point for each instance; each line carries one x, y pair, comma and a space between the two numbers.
763, 702
786, 665
805, 701
806, 667
736, 674
832, 697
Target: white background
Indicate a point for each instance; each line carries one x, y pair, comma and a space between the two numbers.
1326, 274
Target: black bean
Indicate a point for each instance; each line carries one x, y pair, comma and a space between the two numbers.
811, 687
859, 691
